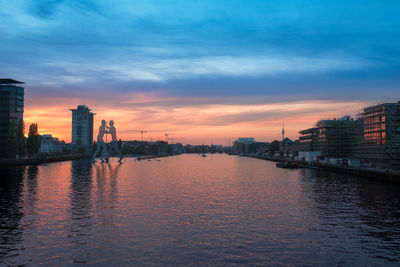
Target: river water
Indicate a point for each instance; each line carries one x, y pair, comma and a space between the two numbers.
188, 210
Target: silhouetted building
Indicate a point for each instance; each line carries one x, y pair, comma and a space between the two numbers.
241, 145
259, 148
288, 148
138, 147
162, 148
82, 129
176, 149
11, 108
380, 142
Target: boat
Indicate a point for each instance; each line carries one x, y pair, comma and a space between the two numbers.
287, 165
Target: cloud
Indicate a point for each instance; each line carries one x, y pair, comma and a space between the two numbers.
200, 68
161, 70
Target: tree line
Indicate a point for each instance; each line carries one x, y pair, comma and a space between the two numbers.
20, 146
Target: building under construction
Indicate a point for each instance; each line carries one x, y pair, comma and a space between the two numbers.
373, 138
333, 138
380, 142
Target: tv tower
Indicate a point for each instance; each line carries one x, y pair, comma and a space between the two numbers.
283, 131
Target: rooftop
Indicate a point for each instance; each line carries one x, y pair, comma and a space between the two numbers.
81, 107
9, 82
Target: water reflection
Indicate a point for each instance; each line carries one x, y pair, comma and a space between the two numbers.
80, 201
185, 210
11, 212
107, 190
364, 211
31, 188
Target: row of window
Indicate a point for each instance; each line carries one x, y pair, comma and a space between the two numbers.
376, 127
374, 136
373, 119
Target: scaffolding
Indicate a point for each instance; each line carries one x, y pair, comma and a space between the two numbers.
379, 145
333, 138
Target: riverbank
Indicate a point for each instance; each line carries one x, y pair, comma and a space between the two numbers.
144, 157
38, 161
370, 173
43, 160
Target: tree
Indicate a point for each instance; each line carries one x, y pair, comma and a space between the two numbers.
119, 144
94, 146
20, 139
15, 139
274, 146
33, 143
11, 146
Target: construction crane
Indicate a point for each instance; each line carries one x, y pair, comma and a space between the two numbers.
142, 132
166, 137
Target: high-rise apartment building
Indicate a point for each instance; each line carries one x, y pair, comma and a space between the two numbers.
11, 108
82, 129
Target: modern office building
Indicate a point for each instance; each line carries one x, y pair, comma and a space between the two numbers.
380, 142
11, 108
82, 129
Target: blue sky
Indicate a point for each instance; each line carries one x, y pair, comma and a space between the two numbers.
218, 52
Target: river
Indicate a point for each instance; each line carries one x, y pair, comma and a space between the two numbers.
190, 210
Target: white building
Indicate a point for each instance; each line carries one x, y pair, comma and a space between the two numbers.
246, 140
50, 144
82, 128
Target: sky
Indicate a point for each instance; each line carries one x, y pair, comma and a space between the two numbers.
205, 71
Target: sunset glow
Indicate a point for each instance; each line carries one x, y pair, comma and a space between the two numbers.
190, 123
204, 71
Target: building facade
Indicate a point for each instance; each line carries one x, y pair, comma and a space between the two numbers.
82, 129
11, 108
241, 145
50, 144
380, 142
335, 138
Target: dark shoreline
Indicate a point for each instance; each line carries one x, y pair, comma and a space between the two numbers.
34, 161
375, 174
50, 159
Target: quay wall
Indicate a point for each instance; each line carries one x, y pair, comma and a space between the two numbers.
376, 174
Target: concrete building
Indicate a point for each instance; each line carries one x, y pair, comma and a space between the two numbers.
50, 144
11, 108
82, 129
380, 142
333, 138
241, 145
176, 149
162, 148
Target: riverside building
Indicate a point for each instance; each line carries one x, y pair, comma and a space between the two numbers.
333, 138
50, 144
241, 145
82, 129
380, 142
11, 108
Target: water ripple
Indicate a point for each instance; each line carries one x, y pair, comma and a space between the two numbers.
187, 210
